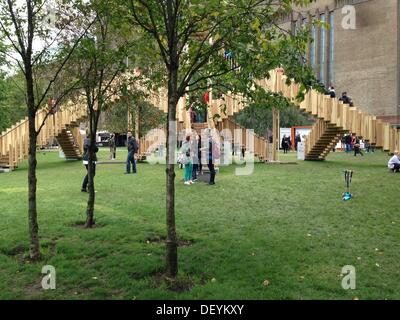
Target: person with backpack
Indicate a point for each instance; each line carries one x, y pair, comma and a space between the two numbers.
133, 148
85, 159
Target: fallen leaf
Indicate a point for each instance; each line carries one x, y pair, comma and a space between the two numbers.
213, 280
266, 283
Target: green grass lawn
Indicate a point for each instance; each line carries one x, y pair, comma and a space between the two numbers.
284, 223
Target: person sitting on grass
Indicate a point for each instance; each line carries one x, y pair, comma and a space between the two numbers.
394, 162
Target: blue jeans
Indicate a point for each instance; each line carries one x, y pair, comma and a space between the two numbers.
131, 159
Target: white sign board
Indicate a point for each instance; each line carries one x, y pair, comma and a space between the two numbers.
300, 151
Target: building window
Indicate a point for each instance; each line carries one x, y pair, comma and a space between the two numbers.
331, 47
322, 44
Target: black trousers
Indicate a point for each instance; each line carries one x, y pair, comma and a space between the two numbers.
211, 167
396, 167
357, 151
86, 179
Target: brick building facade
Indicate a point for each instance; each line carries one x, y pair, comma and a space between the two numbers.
363, 61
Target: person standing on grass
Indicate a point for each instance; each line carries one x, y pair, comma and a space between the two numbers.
352, 143
113, 147
85, 158
186, 159
297, 140
133, 148
394, 162
285, 144
357, 147
196, 157
348, 143
212, 156
199, 154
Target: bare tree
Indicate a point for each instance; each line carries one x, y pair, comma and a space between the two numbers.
31, 31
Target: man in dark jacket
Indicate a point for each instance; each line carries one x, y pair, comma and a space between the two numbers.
85, 158
133, 148
211, 158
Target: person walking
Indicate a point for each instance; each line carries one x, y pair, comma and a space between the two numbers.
133, 148
113, 147
185, 158
85, 158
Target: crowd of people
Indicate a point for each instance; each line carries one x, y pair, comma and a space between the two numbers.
190, 156
352, 143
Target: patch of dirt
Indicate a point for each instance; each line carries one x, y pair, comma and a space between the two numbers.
163, 239
34, 289
179, 284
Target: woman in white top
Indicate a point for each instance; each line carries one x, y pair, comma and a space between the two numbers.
186, 159
394, 162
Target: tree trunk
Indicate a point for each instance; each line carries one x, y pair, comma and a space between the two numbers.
171, 244
91, 200
34, 249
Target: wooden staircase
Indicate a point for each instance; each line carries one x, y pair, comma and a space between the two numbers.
69, 145
326, 136
62, 126
333, 119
